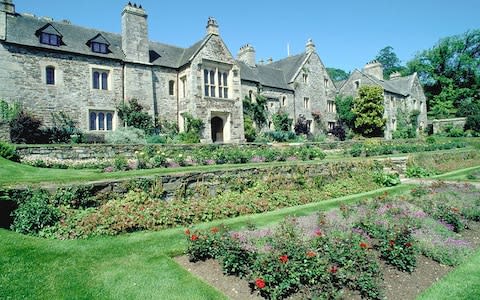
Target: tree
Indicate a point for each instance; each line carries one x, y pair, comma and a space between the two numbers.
281, 122
389, 61
337, 74
344, 105
301, 126
450, 73
257, 111
368, 109
133, 115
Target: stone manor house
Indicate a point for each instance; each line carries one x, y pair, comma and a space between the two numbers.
52, 66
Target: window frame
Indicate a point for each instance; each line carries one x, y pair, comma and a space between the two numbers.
50, 75
50, 39
216, 82
306, 102
100, 120
100, 79
99, 47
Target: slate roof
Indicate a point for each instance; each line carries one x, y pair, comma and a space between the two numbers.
264, 74
290, 65
24, 29
401, 85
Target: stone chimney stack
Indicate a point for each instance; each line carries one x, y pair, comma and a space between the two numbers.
135, 34
247, 55
395, 75
375, 69
212, 26
7, 6
310, 47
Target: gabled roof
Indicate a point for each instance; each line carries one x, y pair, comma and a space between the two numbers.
290, 65
99, 39
22, 29
402, 85
266, 75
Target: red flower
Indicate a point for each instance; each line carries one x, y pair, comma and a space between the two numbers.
214, 230
318, 233
194, 237
455, 210
392, 243
311, 253
363, 245
260, 283
187, 231
333, 269
408, 244
284, 258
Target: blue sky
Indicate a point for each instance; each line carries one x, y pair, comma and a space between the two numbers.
347, 33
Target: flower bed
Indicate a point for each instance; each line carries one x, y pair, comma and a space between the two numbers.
322, 254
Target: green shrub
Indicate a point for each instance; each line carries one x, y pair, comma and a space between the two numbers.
35, 213
356, 150
399, 249
64, 129
127, 135
25, 129
386, 179
418, 172
9, 152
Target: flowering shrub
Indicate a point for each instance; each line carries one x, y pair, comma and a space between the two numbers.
399, 249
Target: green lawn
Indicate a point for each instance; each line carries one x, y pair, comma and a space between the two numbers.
461, 175
130, 266
461, 283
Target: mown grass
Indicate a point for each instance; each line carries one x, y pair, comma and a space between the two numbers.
461, 175
461, 283
130, 266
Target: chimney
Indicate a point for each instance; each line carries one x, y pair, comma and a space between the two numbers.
212, 26
135, 34
395, 75
270, 60
375, 69
7, 6
310, 47
247, 55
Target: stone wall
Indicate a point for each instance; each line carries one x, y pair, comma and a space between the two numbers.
4, 132
439, 125
22, 78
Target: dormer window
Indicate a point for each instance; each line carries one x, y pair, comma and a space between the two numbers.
99, 48
48, 35
99, 44
50, 39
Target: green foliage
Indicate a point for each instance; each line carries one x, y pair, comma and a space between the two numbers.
35, 213
449, 72
64, 129
280, 136
193, 129
249, 129
344, 106
389, 61
387, 179
257, 111
281, 122
132, 114
399, 249
418, 172
337, 74
126, 135
406, 124
8, 112
8, 151
368, 109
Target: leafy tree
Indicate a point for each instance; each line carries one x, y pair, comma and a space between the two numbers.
368, 109
389, 61
344, 105
471, 109
132, 114
9, 111
281, 122
250, 133
257, 111
450, 73
337, 74
193, 129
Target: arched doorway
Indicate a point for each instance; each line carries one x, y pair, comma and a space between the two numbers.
217, 130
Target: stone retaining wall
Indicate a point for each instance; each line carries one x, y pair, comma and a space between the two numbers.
4, 132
